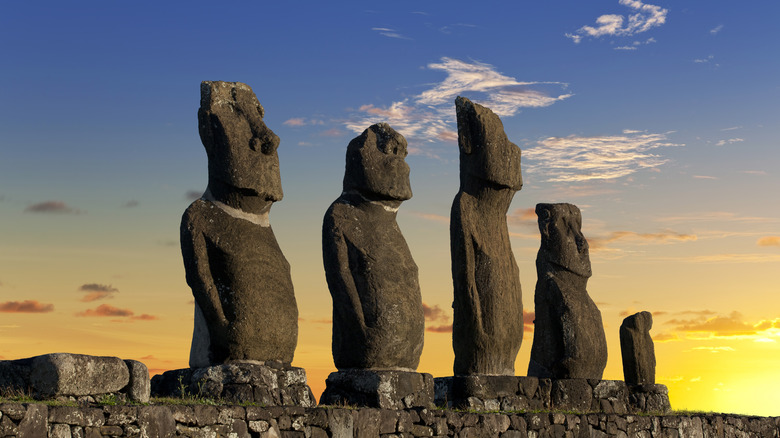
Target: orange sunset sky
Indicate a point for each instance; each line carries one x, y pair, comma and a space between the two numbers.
660, 120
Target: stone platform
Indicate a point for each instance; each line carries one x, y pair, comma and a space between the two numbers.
67, 376
384, 389
268, 383
519, 393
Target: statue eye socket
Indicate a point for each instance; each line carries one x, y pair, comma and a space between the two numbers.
267, 148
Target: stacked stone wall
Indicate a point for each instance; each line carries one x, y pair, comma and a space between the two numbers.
39, 420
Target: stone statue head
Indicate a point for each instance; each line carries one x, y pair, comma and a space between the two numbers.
562, 241
641, 322
241, 149
485, 151
376, 167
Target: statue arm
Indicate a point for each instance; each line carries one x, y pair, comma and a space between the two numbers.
338, 272
194, 249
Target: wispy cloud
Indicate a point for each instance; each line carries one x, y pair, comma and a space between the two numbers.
335, 132
769, 241
56, 207
301, 121
437, 320
644, 18
96, 292
667, 236
105, 310
390, 33
724, 326
636, 44
729, 141
430, 115
717, 216
130, 204
26, 306
577, 158
716, 29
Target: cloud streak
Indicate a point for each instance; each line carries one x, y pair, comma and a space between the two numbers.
576, 158
769, 241
666, 236
52, 207
105, 310
430, 116
26, 306
96, 292
644, 17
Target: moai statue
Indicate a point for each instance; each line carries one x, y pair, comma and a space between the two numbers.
637, 348
488, 307
245, 307
378, 320
569, 340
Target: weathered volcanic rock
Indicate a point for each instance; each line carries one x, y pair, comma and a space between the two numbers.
488, 308
637, 349
569, 340
139, 386
378, 317
77, 374
266, 383
245, 307
383, 389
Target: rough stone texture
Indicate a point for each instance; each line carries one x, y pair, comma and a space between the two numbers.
161, 421
637, 349
66, 375
569, 340
649, 398
385, 389
76, 376
378, 319
510, 393
488, 308
245, 308
270, 384
138, 388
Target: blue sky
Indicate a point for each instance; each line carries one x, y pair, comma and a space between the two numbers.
659, 119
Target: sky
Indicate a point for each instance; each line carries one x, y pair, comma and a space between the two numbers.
659, 119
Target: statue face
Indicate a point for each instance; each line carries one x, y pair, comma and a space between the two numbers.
375, 165
486, 152
240, 147
562, 240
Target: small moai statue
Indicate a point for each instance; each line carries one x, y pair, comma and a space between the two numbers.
569, 340
488, 307
637, 349
245, 307
378, 320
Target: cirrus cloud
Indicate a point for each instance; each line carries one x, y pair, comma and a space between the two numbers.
429, 116
769, 241
578, 158
644, 18
55, 207
26, 306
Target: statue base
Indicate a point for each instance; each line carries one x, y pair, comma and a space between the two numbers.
520, 393
269, 383
384, 389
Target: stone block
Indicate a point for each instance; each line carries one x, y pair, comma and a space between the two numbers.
572, 394
68, 374
139, 386
269, 383
383, 389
